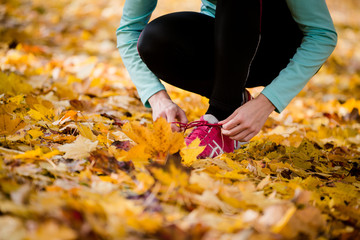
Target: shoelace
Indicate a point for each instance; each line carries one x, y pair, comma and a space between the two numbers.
246, 97
200, 123
193, 124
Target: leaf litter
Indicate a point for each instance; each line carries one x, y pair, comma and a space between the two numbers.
80, 157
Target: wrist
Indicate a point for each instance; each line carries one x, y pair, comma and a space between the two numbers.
159, 97
265, 102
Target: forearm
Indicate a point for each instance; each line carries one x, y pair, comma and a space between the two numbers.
146, 83
136, 14
319, 41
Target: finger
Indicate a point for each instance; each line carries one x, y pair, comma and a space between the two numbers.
163, 115
182, 116
175, 128
240, 136
233, 120
234, 131
171, 119
247, 138
237, 120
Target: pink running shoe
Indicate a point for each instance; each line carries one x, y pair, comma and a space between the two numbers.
209, 132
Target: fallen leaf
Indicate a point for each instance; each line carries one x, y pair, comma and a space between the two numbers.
189, 154
79, 149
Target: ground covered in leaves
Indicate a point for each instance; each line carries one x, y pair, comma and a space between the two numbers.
81, 159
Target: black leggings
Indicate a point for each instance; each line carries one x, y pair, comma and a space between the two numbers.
218, 58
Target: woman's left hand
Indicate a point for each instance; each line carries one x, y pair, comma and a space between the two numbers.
247, 120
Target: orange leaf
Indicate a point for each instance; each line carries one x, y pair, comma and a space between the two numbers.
9, 125
157, 142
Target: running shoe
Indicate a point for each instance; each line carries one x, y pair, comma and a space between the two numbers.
208, 131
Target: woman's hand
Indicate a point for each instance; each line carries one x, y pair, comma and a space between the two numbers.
163, 106
247, 120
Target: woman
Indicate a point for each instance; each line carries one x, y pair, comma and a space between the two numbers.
227, 47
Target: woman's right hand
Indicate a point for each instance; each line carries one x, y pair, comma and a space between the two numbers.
163, 106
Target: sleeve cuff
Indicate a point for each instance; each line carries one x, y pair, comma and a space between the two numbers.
279, 106
146, 95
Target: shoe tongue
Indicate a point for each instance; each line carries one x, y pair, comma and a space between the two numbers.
210, 118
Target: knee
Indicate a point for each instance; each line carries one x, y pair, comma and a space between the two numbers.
142, 44
149, 41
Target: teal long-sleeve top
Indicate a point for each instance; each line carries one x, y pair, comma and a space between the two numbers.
312, 17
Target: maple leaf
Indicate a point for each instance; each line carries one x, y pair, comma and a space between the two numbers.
173, 176
41, 112
79, 149
253, 193
35, 133
9, 125
37, 154
13, 84
85, 131
189, 154
157, 142
139, 154
68, 116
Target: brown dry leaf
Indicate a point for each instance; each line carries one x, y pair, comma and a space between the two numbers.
307, 221
9, 125
79, 149
53, 229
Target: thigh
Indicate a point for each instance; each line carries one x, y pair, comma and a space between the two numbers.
178, 48
280, 37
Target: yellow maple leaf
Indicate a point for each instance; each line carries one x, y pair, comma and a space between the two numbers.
13, 84
351, 103
146, 222
136, 132
35, 133
37, 154
189, 154
164, 139
143, 182
138, 154
174, 176
9, 125
8, 108
17, 99
41, 112
158, 142
85, 131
